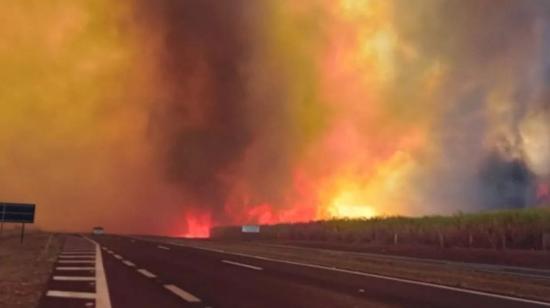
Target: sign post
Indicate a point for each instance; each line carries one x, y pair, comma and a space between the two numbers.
22, 232
17, 213
2, 218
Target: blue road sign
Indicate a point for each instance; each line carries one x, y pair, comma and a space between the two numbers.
17, 212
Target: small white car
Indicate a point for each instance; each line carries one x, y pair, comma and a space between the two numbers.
98, 231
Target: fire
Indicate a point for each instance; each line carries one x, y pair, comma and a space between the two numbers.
378, 191
198, 226
349, 204
283, 111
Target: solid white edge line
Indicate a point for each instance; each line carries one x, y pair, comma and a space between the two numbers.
69, 294
76, 257
243, 265
73, 278
128, 263
146, 273
335, 269
190, 298
103, 299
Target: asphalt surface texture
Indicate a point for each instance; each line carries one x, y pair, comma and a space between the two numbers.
140, 273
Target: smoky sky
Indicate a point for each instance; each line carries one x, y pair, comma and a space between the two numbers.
212, 112
200, 126
205, 123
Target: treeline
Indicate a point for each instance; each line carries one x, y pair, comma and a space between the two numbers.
509, 229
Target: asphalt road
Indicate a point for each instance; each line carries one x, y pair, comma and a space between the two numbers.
147, 274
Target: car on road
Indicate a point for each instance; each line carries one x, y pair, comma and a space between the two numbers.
98, 231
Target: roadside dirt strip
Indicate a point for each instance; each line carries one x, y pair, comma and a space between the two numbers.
78, 279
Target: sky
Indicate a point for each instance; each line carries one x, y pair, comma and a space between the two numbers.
169, 117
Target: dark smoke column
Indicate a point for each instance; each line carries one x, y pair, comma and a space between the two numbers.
199, 123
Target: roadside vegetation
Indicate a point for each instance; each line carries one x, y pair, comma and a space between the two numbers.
507, 229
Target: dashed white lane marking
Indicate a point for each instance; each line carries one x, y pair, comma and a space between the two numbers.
75, 268
257, 268
76, 261
190, 298
69, 294
364, 274
118, 257
73, 278
146, 273
129, 263
163, 247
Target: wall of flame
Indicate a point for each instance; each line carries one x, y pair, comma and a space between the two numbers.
171, 116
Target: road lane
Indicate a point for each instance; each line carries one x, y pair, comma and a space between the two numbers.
223, 285
204, 274
129, 288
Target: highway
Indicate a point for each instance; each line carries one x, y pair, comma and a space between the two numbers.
141, 273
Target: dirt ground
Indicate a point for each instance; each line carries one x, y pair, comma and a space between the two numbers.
25, 268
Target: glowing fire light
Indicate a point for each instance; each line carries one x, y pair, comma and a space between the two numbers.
348, 204
197, 226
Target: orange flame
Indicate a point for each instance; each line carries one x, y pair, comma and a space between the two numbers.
198, 226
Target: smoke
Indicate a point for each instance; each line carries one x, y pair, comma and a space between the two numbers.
198, 119
169, 116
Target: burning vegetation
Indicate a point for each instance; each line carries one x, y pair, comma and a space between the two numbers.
180, 115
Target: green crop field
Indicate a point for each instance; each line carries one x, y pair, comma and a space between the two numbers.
513, 229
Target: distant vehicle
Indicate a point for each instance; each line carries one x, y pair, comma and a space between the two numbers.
98, 231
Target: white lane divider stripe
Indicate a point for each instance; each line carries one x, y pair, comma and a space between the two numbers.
389, 278
190, 298
76, 261
257, 268
163, 247
73, 278
118, 257
146, 273
128, 263
67, 294
75, 268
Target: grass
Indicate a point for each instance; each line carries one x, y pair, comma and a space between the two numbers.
515, 229
25, 268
